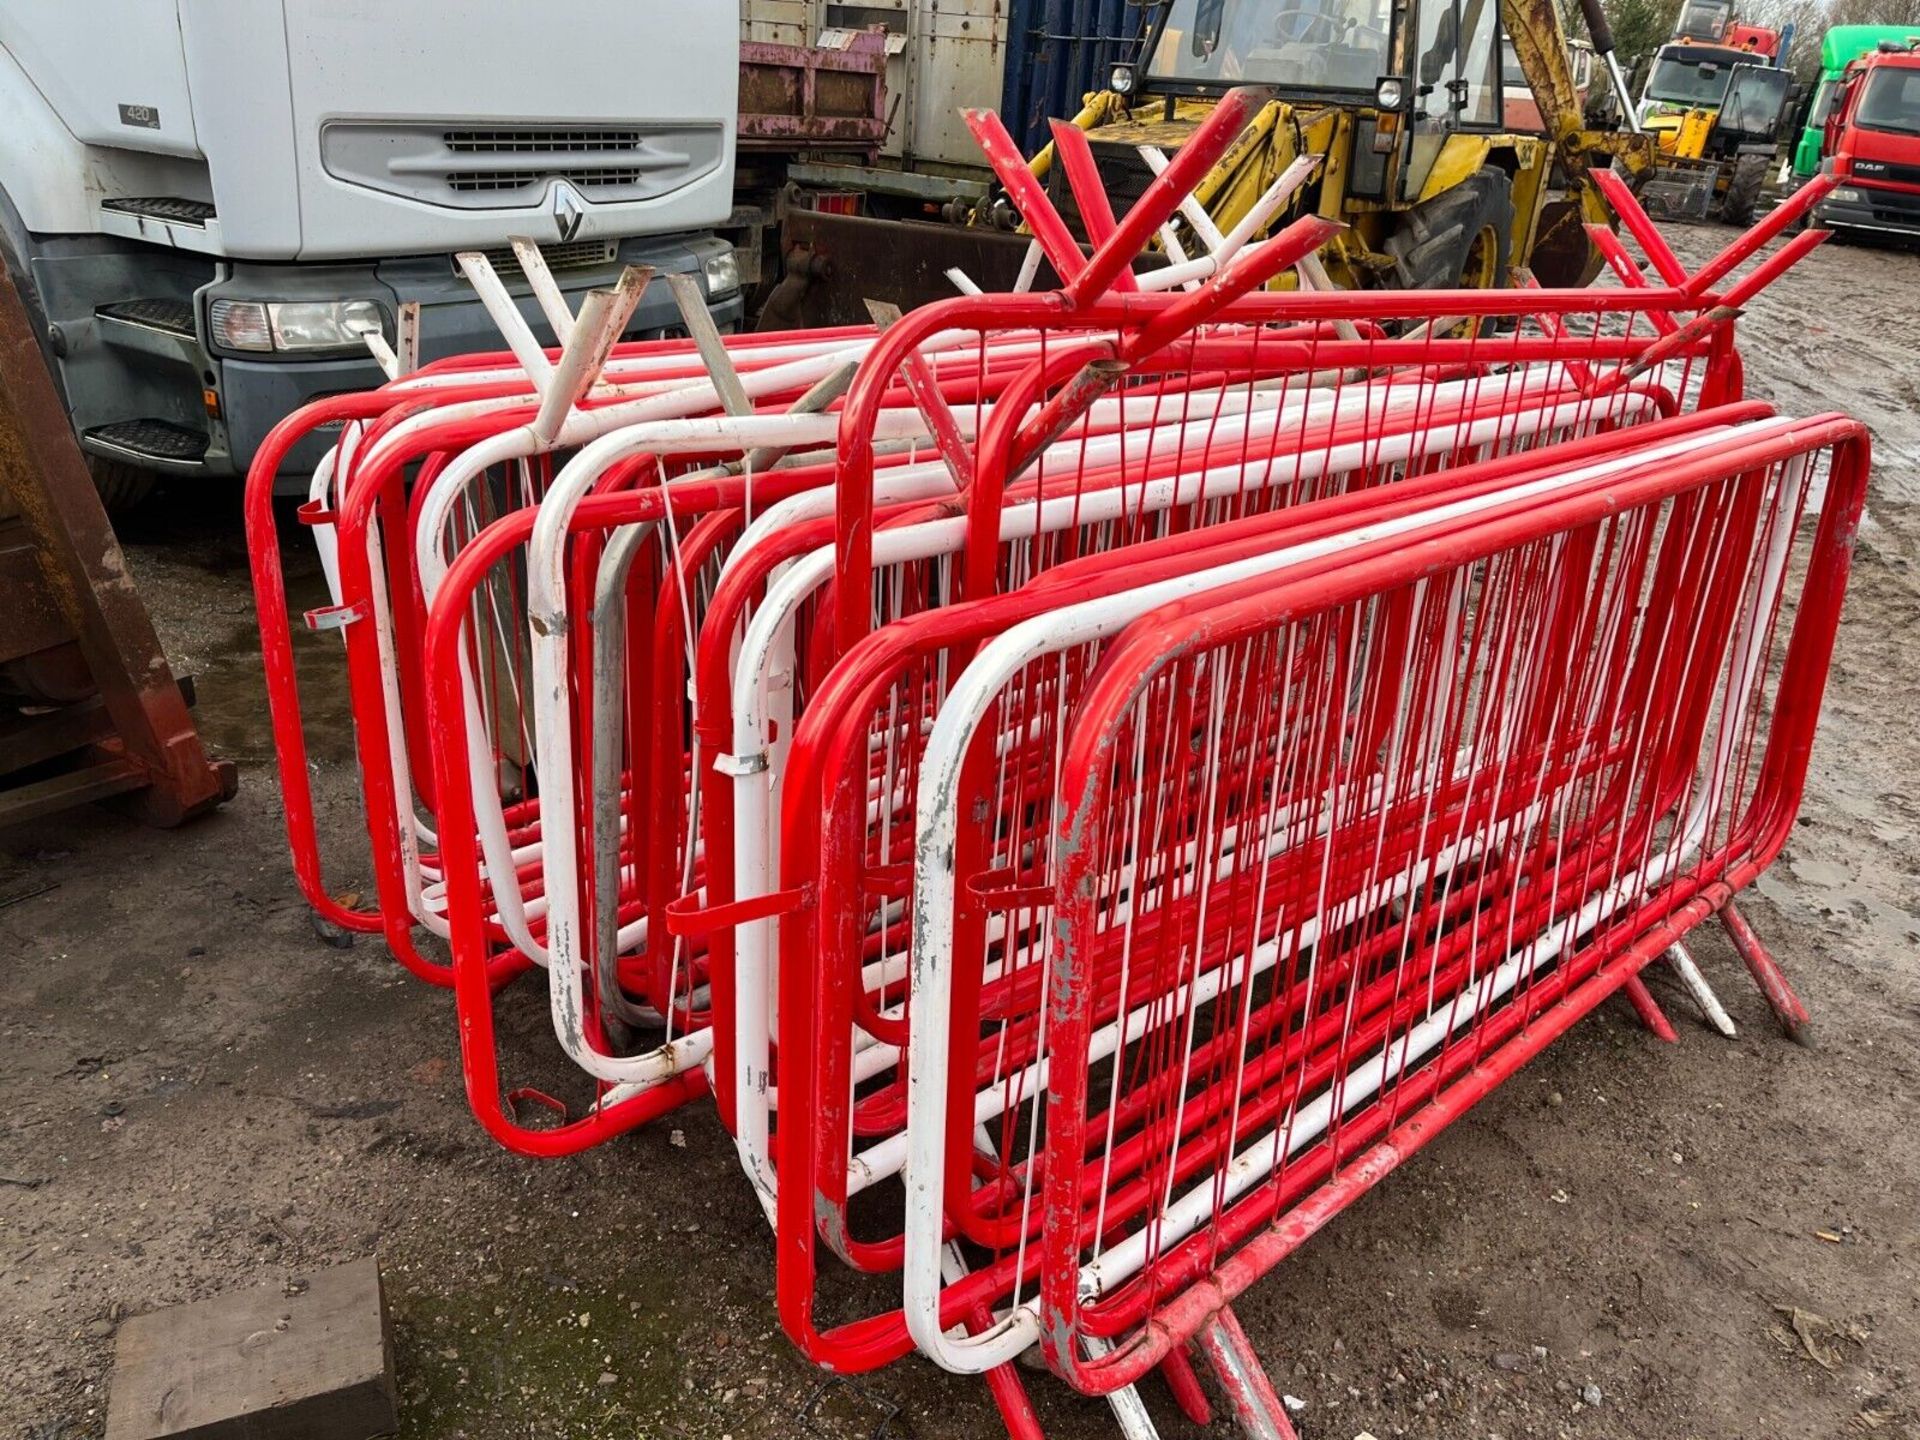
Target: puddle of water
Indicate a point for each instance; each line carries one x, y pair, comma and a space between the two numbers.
232, 704
1876, 930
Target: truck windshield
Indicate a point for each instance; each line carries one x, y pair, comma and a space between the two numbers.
1754, 100
1679, 81
1703, 19
1891, 102
1822, 104
1293, 44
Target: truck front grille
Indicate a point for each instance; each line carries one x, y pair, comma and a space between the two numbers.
508, 142
1886, 171
575, 255
479, 180
513, 167
1895, 207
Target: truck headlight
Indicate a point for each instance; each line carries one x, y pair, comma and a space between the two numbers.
1847, 195
722, 272
296, 325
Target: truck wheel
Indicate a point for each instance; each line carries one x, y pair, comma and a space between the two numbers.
121, 486
1743, 188
1461, 239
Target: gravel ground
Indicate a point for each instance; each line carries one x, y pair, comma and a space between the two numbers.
204, 1095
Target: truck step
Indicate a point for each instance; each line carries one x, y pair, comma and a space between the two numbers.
170, 208
170, 317
149, 442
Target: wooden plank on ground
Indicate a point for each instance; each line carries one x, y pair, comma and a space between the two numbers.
260, 1365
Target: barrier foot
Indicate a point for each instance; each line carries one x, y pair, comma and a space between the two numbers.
1177, 1371
1695, 984
1649, 1011
1766, 973
1129, 1410
1016, 1410
1250, 1395
1003, 1382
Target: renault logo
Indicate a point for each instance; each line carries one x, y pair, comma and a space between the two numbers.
567, 211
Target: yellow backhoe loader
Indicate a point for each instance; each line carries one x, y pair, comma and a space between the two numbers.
1402, 100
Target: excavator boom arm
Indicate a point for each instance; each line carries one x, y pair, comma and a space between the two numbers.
1540, 45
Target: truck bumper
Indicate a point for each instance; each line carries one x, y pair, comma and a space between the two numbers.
1893, 213
257, 392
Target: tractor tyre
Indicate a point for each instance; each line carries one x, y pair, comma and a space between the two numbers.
1460, 239
1749, 178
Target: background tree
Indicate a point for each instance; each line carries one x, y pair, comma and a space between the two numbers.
1641, 26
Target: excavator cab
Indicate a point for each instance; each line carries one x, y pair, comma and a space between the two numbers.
1383, 91
1331, 47
1401, 98
1703, 20
1436, 62
1719, 116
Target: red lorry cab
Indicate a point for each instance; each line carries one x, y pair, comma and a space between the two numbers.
1757, 39
1873, 144
1712, 22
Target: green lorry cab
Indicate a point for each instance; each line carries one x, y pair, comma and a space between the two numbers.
1843, 45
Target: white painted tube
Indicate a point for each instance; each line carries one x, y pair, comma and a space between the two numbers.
756, 786
326, 538
453, 482
1257, 218
971, 699
549, 619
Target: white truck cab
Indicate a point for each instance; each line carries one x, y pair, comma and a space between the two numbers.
207, 203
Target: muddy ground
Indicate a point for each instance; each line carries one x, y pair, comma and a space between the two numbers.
201, 1094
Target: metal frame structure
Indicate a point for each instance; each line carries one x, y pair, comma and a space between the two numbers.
120, 725
1090, 780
